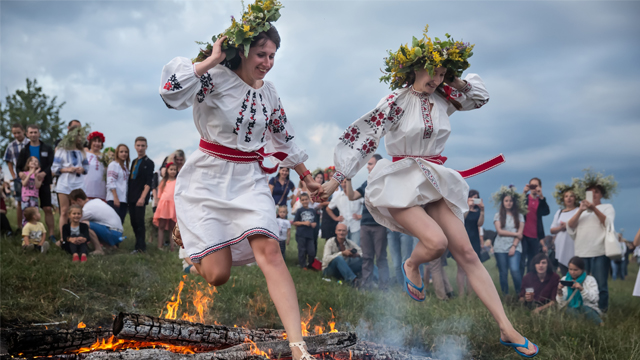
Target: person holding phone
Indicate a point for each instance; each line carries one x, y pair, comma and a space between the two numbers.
540, 286
342, 258
533, 234
588, 228
578, 292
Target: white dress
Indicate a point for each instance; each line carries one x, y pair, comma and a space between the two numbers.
68, 182
565, 248
221, 203
411, 129
95, 185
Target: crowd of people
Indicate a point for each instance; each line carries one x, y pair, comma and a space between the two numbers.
93, 188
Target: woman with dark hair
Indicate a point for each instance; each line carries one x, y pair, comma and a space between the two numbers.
280, 187
473, 220
416, 194
507, 247
95, 182
540, 285
224, 206
579, 292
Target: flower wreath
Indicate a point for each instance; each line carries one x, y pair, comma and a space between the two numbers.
106, 158
256, 19
607, 184
68, 142
96, 134
517, 197
562, 188
425, 54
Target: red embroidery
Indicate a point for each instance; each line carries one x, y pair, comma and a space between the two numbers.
426, 117
368, 146
350, 136
172, 84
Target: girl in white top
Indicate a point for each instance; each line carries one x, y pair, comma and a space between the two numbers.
70, 166
563, 242
95, 180
225, 208
117, 180
416, 194
582, 297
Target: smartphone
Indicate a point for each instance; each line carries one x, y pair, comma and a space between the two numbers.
589, 196
354, 251
533, 187
567, 283
529, 290
477, 201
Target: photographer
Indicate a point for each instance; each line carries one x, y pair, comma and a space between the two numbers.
342, 258
533, 233
579, 292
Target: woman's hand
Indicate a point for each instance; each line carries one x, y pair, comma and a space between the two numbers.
528, 296
217, 55
116, 202
563, 226
560, 286
584, 205
577, 286
481, 205
329, 187
512, 250
40, 176
78, 170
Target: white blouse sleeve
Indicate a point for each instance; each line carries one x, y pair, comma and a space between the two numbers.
282, 135
112, 176
556, 219
180, 85
359, 142
473, 96
590, 292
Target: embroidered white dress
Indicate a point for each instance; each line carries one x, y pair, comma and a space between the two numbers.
221, 203
565, 247
414, 125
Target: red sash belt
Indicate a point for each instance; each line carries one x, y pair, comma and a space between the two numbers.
478, 169
240, 157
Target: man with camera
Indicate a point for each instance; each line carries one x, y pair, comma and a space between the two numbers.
533, 234
342, 258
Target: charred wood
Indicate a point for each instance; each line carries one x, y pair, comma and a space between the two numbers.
32, 342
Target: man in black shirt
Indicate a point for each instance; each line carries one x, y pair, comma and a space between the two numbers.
373, 236
139, 191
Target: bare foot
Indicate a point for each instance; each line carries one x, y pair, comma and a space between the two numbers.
413, 273
97, 252
515, 338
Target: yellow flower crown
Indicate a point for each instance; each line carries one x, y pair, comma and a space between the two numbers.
256, 19
426, 54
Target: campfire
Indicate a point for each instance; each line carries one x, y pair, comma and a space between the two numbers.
186, 336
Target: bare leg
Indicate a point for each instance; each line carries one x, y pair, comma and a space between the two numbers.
215, 268
280, 284
48, 218
432, 245
461, 279
63, 201
19, 215
93, 238
479, 278
160, 237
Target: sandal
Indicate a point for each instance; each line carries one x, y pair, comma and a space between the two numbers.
408, 283
525, 345
175, 235
301, 346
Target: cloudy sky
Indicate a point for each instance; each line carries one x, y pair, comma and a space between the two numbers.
563, 77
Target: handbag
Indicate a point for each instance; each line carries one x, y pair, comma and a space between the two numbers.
484, 254
612, 247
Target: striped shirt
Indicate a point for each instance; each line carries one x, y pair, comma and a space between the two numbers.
13, 150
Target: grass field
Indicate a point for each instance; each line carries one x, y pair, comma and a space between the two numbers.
32, 292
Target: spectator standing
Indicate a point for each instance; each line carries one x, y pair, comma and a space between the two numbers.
280, 187
533, 234
350, 213
373, 236
342, 258
304, 222
284, 227
540, 286
72, 124
139, 191
582, 297
33, 232
565, 197
95, 185
44, 154
32, 178
118, 180
321, 218
441, 284
11, 158
179, 158
588, 228
636, 243
104, 223
76, 235
165, 216
70, 166
473, 221
509, 224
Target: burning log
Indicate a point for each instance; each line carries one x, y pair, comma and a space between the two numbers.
185, 333
32, 342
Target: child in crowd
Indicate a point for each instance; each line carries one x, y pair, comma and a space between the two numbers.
165, 215
32, 179
305, 223
187, 265
33, 232
76, 234
285, 228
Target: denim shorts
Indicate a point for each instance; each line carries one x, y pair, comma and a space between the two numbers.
106, 235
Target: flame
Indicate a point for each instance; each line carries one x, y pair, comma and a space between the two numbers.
120, 344
202, 299
81, 325
254, 350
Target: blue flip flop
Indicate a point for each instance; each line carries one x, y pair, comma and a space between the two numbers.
408, 283
525, 345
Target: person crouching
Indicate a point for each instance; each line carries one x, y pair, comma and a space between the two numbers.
342, 258
581, 298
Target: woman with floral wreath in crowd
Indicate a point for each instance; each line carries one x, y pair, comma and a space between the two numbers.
416, 194
95, 184
223, 203
567, 199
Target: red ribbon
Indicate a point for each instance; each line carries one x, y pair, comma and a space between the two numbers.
448, 90
476, 170
240, 157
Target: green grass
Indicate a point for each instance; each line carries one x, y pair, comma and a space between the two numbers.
32, 292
